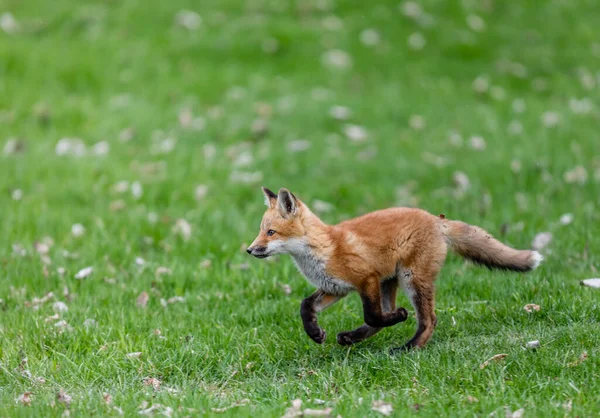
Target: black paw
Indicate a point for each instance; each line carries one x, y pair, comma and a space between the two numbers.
344, 338
402, 349
318, 335
401, 314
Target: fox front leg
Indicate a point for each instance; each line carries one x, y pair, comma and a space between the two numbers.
312, 305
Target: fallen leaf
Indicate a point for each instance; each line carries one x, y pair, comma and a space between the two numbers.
149, 411
541, 240
151, 381
36, 302
497, 357
530, 307
286, 289
90, 323
188, 19
64, 398
63, 326
566, 219
77, 230
9, 24
136, 354
477, 143
160, 271
472, 399
107, 398
172, 390
117, 205
583, 357
355, 133
136, 190
67, 294
336, 59
295, 410
54, 317
576, 175
60, 307
25, 399
461, 180
142, 299
591, 283
340, 112
382, 407
83, 273
369, 37
183, 229
517, 414
200, 192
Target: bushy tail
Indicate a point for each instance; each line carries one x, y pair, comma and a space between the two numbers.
479, 246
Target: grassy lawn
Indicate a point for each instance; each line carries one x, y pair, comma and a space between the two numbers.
135, 138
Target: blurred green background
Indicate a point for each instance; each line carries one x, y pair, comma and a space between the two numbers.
135, 138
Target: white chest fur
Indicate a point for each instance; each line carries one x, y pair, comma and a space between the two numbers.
313, 269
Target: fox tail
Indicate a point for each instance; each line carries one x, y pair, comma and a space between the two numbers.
477, 245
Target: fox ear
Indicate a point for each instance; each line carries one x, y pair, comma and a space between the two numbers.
270, 197
287, 202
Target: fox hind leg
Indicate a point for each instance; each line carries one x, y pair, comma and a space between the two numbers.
388, 305
421, 292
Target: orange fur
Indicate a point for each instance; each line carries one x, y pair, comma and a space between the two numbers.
373, 254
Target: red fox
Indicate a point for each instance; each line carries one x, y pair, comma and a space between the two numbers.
372, 255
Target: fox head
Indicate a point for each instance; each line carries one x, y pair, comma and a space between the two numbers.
281, 229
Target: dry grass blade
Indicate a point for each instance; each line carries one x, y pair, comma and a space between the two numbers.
583, 357
497, 357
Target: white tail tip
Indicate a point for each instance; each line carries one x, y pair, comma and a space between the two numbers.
536, 259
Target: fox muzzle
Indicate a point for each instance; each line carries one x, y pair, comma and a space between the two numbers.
258, 252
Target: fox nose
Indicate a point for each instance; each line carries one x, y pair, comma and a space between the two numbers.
249, 250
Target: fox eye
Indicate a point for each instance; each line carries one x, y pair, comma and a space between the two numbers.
270, 232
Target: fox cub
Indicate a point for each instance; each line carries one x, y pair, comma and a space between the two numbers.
373, 254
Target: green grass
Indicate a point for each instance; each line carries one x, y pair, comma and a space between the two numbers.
90, 70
